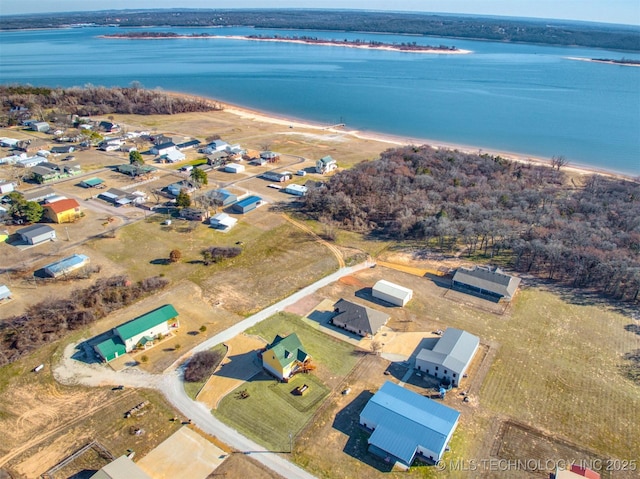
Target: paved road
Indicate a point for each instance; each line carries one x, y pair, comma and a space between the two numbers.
170, 383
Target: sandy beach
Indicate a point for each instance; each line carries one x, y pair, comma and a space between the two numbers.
343, 133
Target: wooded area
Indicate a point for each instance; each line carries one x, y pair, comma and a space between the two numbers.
98, 100
50, 320
552, 32
494, 210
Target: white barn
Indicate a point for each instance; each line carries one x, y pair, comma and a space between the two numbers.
234, 168
392, 293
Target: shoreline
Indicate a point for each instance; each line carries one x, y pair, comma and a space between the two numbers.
607, 62
391, 48
248, 113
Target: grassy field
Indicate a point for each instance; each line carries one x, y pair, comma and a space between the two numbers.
277, 258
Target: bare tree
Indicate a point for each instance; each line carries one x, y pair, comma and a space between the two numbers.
558, 162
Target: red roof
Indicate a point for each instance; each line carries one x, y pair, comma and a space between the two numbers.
63, 205
583, 471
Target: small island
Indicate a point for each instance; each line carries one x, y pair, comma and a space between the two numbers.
629, 62
368, 44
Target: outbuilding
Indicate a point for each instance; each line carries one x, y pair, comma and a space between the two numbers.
223, 197
92, 183
5, 293
482, 280
392, 293
222, 221
450, 357
36, 234
247, 204
297, 190
234, 168
42, 126
66, 265
405, 424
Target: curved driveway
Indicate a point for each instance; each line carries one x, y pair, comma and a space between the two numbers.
170, 383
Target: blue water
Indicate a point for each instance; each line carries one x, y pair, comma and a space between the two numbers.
526, 99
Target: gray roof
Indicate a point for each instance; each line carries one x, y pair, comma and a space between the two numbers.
406, 420
496, 281
360, 317
453, 350
121, 468
38, 194
34, 230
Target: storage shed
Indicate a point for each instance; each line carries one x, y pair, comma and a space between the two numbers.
5, 293
247, 204
222, 221
36, 234
392, 293
91, 183
297, 190
66, 265
405, 424
234, 168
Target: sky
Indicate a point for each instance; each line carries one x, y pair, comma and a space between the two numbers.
610, 11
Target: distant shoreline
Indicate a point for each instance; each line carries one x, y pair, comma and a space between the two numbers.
608, 62
324, 43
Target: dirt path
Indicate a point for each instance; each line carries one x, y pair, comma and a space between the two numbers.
334, 249
409, 269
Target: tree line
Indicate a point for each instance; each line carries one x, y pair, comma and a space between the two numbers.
494, 210
50, 320
98, 100
553, 32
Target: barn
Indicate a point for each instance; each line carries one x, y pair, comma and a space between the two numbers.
490, 283
36, 234
66, 265
405, 424
392, 293
234, 168
247, 204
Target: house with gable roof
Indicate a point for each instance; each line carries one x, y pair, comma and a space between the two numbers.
284, 356
358, 319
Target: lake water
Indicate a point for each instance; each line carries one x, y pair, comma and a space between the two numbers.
526, 99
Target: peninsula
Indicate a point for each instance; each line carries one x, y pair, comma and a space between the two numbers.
357, 43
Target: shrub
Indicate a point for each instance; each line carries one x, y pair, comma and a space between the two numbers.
202, 365
175, 255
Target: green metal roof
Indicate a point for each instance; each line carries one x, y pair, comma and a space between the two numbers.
93, 181
288, 349
146, 321
109, 347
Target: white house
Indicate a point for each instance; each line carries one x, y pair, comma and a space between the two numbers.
163, 148
173, 156
297, 190
6, 187
30, 161
326, 165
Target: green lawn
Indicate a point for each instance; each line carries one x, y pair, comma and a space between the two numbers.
272, 412
335, 355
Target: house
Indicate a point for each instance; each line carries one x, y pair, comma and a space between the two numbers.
217, 158
270, 156
163, 148
108, 127
110, 144
121, 468
39, 195
194, 214
485, 281
128, 148
284, 356
135, 170
184, 185
234, 168
222, 221
9, 142
297, 190
276, 176
5, 293
12, 159
92, 183
30, 161
138, 332
450, 357
63, 211
216, 145
66, 265
53, 199
576, 471
173, 156
405, 424
32, 146
62, 150
4, 234
45, 172
326, 165
358, 319
392, 293
247, 204
223, 197
120, 197
186, 145
36, 234
6, 187
42, 126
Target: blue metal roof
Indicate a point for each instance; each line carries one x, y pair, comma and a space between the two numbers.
66, 263
248, 201
406, 420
